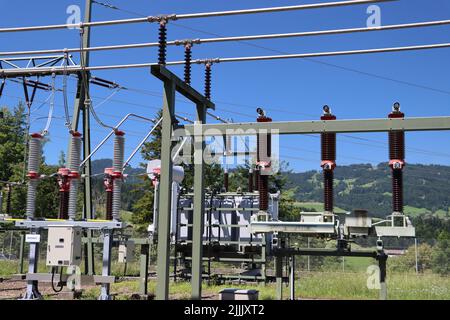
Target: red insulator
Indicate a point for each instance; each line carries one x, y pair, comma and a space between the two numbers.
63, 204
328, 150
256, 176
263, 144
263, 192
328, 177
109, 205
208, 81
187, 63
162, 50
328, 141
397, 190
396, 145
397, 160
225, 181
250, 181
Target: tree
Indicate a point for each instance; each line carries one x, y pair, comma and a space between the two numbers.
12, 147
143, 207
407, 262
12, 141
441, 254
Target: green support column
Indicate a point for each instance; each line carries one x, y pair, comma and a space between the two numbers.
144, 270
79, 108
279, 276
199, 209
21, 252
382, 258
165, 193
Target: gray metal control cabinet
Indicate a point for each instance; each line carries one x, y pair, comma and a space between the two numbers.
64, 246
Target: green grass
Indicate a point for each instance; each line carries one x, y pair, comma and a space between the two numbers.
313, 285
317, 206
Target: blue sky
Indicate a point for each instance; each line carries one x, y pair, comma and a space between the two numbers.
291, 89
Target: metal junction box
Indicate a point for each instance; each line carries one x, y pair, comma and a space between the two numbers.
64, 246
358, 224
126, 252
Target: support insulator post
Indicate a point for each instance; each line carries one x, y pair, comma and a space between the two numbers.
250, 180
263, 161
397, 160
256, 179
328, 151
74, 167
119, 151
64, 178
208, 66
225, 180
34, 161
187, 63
162, 50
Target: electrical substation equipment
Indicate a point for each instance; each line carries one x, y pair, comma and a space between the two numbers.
64, 246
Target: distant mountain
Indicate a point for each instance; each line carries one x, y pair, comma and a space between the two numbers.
130, 193
362, 186
98, 166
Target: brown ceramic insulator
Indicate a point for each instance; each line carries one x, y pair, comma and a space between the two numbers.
397, 190
397, 145
263, 192
63, 204
162, 50
187, 63
256, 176
250, 181
225, 181
328, 177
109, 205
208, 81
328, 146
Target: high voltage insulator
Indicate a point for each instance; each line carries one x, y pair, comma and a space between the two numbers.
256, 178
74, 167
34, 161
225, 180
208, 66
162, 42
397, 160
250, 180
187, 63
119, 150
64, 192
328, 150
263, 161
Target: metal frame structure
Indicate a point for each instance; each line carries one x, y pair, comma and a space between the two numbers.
173, 84
199, 131
222, 250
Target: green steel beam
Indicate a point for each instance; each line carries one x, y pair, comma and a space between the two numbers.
143, 286
190, 93
165, 194
199, 209
279, 277
319, 126
79, 108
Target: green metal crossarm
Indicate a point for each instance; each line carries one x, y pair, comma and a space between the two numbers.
190, 93
318, 126
325, 252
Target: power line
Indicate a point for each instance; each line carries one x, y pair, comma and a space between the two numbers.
235, 38
151, 19
8, 73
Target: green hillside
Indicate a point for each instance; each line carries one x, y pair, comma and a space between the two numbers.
362, 186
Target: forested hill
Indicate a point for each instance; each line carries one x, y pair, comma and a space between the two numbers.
426, 188
358, 186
